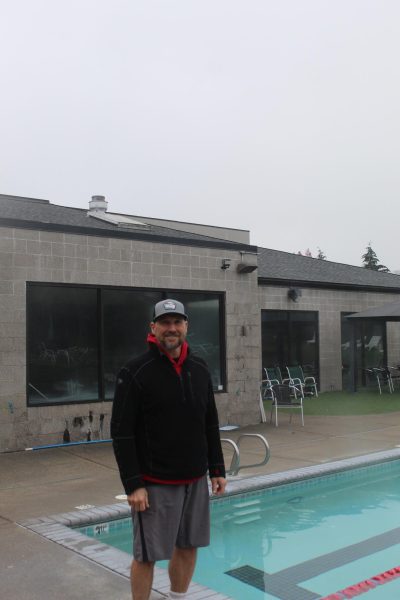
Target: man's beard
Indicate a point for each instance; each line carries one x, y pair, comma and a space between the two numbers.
171, 343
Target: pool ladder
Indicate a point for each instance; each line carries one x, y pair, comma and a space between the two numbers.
235, 465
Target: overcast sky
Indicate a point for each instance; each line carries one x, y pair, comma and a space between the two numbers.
277, 116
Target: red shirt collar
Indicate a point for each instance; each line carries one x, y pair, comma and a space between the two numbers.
177, 364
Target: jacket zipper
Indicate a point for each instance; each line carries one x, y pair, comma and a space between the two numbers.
190, 386
182, 382
182, 387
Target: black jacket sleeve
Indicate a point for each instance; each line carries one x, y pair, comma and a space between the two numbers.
123, 424
216, 466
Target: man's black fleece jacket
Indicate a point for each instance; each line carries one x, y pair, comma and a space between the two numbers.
165, 425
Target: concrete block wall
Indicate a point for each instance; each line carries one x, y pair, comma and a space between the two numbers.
330, 304
393, 343
29, 255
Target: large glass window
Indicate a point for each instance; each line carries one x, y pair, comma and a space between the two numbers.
204, 334
369, 351
126, 318
80, 336
62, 345
290, 338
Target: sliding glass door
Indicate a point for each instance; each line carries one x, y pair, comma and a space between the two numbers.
290, 338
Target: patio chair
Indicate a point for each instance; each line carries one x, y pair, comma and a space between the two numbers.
387, 376
271, 376
266, 389
380, 375
285, 396
394, 372
307, 385
274, 374
261, 402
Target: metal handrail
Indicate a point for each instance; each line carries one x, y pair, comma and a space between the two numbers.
235, 462
235, 465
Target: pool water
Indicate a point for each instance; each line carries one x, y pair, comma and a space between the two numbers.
299, 541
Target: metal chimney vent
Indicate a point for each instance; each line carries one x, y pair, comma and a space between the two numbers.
97, 204
98, 210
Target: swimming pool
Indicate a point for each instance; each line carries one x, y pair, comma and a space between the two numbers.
311, 533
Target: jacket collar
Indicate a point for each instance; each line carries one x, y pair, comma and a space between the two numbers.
177, 364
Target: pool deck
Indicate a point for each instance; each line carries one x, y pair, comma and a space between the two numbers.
37, 484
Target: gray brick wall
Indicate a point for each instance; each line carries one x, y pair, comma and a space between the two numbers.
27, 255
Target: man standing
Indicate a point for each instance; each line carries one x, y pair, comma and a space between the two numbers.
166, 436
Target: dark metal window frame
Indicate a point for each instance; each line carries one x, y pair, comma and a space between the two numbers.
165, 293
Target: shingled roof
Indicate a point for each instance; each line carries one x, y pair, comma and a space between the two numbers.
283, 268
274, 266
32, 213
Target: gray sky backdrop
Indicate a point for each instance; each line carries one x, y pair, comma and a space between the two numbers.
278, 116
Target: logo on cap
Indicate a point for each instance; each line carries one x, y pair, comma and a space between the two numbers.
169, 306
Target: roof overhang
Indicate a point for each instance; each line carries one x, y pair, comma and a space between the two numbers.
327, 285
126, 234
385, 312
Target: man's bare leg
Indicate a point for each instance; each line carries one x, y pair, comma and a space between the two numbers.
181, 567
141, 579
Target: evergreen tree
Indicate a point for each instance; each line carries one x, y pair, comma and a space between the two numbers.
321, 255
371, 261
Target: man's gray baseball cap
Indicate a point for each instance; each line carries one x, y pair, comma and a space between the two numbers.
169, 307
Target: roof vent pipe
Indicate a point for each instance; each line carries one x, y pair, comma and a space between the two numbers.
97, 204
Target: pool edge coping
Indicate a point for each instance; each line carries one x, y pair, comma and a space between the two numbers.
59, 528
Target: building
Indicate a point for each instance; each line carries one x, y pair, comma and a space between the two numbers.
76, 291
304, 302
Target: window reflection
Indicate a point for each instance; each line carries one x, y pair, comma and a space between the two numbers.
62, 350
204, 330
126, 318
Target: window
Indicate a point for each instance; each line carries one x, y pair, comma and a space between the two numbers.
370, 349
290, 338
204, 334
62, 345
80, 336
126, 318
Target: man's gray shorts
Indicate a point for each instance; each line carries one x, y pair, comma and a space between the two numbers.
179, 515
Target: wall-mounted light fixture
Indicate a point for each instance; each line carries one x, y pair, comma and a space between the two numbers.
249, 264
245, 268
226, 263
294, 294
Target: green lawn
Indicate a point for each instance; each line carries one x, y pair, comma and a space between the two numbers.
345, 403
359, 403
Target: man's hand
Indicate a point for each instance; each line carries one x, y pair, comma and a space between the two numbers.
218, 485
139, 500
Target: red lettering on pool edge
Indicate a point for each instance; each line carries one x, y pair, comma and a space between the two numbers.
365, 586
